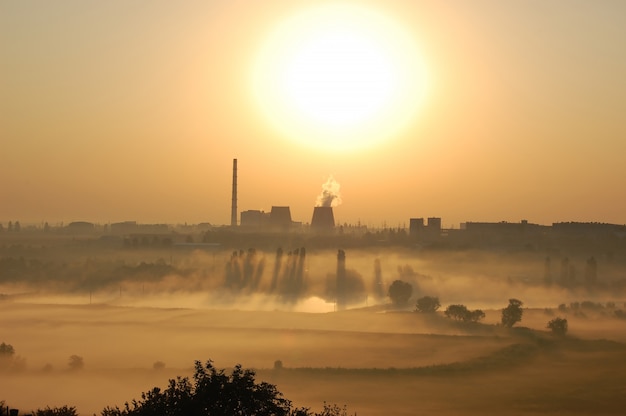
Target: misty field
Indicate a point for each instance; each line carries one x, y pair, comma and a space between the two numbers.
94, 325
375, 363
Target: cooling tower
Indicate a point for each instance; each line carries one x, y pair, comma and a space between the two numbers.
323, 219
280, 217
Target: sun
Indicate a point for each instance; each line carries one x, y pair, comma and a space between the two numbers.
339, 77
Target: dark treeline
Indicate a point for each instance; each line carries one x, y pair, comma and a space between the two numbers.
283, 274
237, 263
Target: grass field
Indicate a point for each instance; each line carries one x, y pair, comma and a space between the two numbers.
375, 363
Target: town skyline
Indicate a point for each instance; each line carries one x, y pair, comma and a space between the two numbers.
520, 116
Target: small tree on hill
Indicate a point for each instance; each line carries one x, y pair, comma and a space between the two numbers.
461, 313
76, 363
476, 315
6, 350
458, 312
558, 326
400, 292
512, 313
6, 355
427, 304
8, 359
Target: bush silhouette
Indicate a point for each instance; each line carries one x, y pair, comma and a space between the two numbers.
7, 353
76, 363
512, 313
400, 292
461, 313
427, 304
6, 350
56, 411
213, 392
8, 360
558, 326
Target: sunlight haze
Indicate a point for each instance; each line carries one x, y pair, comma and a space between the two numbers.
339, 78
114, 111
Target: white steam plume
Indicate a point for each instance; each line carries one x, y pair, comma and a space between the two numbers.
330, 196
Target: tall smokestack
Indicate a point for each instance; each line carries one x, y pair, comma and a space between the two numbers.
233, 211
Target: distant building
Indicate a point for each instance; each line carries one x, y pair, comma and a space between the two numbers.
280, 218
434, 225
416, 226
589, 228
80, 227
254, 218
430, 230
122, 228
153, 228
496, 227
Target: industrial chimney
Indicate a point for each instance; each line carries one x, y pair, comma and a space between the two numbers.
323, 219
233, 210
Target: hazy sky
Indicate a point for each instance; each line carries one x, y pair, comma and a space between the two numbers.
121, 110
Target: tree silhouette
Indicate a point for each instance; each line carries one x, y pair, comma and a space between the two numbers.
6, 350
512, 313
427, 304
461, 313
400, 292
6, 356
76, 362
8, 359
558, 326
476, 315
213, 392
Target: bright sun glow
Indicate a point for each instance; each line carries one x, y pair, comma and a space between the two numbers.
339, 77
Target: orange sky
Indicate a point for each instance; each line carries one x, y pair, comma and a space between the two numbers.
114, 111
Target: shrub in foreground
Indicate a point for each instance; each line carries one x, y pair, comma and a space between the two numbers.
213, 392
56, 411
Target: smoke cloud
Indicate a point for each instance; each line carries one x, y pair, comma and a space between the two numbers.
330, 196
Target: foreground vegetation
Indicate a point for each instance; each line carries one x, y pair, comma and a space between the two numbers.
526, 371
210, 392
213, 392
